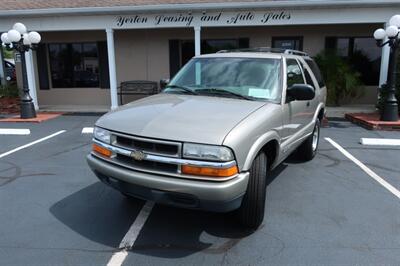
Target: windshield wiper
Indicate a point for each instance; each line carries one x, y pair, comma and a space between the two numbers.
186, 89
222, 91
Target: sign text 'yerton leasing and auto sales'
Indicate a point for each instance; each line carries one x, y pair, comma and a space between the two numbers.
205, 19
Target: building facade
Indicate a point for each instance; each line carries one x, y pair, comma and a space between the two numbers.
89, 47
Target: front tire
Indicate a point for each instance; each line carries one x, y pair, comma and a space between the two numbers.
251, 212
308, 149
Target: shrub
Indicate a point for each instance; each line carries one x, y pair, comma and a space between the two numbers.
10, 90
340, 78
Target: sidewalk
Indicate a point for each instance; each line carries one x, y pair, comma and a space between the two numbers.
331, 112
75, 108
340, 111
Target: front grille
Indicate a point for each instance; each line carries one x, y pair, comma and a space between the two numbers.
147, 165
149, 146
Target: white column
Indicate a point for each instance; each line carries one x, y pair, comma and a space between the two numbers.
384, 62
112, 68
197, 40
30, 71
2, 73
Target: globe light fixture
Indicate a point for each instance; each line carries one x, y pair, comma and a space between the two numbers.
19, 39
14, 36
395, 21
34, 37
392, 31
379, 34
25, 39
4, 38
390, 110
21, 28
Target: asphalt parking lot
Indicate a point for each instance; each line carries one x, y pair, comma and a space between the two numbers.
54, 211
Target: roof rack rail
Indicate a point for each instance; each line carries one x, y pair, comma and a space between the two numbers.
265, 50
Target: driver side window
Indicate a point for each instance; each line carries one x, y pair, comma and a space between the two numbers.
293, 73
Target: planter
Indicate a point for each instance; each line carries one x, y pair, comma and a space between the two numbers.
9, 105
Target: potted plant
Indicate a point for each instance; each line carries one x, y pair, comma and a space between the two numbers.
9, 102
341, 79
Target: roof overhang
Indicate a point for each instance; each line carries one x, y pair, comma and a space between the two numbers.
298, 4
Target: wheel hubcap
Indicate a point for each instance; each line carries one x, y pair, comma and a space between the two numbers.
315, 138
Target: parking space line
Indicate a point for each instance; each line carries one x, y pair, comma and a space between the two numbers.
14, 131
31, 143
87, 130
130, 237
380, 142
371, 173
118, 258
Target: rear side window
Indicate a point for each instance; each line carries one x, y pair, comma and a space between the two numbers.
317, 73
294, 74
308, 77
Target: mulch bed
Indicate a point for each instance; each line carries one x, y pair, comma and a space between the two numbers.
9, 105
372, 121
40, 117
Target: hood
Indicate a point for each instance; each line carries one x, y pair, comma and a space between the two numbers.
186, 118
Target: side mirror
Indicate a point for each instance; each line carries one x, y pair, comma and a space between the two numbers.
300, 92
164, 83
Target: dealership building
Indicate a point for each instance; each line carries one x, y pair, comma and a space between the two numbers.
89, 47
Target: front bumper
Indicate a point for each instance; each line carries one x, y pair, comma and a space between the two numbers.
216, 196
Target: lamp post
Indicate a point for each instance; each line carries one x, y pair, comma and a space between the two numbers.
391, 109
20, 40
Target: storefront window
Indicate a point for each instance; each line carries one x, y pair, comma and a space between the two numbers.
343, 46
292, 43
362, 53
185, 49
74, 65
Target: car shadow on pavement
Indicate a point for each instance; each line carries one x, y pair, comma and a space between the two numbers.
175, 233
98, 213
103, 215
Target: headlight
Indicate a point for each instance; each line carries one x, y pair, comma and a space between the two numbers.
207, 152
102, 135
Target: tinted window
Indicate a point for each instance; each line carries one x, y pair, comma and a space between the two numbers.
361, 52
209, 46
294, 74
309, 80
74, 65
317, 73
294, 43
254, 78
8, 64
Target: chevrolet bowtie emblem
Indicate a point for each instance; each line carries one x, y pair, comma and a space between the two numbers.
138, 155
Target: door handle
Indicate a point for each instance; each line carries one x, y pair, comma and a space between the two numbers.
308, 104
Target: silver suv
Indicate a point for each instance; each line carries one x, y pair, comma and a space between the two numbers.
210, 138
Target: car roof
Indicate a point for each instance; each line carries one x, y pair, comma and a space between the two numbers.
258, 52
241, 55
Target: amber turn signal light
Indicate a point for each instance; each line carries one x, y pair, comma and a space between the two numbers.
208, 171
102, 151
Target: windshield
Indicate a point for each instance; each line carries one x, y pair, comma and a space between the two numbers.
247, 78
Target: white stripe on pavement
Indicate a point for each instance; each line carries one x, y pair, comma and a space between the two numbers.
371, 173
14, 131
118, 258
130, 237
87, 130
380, 142
31, 143
137, 226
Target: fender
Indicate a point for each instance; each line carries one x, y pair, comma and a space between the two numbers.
258, 145
319, 108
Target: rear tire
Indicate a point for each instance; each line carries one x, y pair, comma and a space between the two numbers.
309, 148
251, 212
